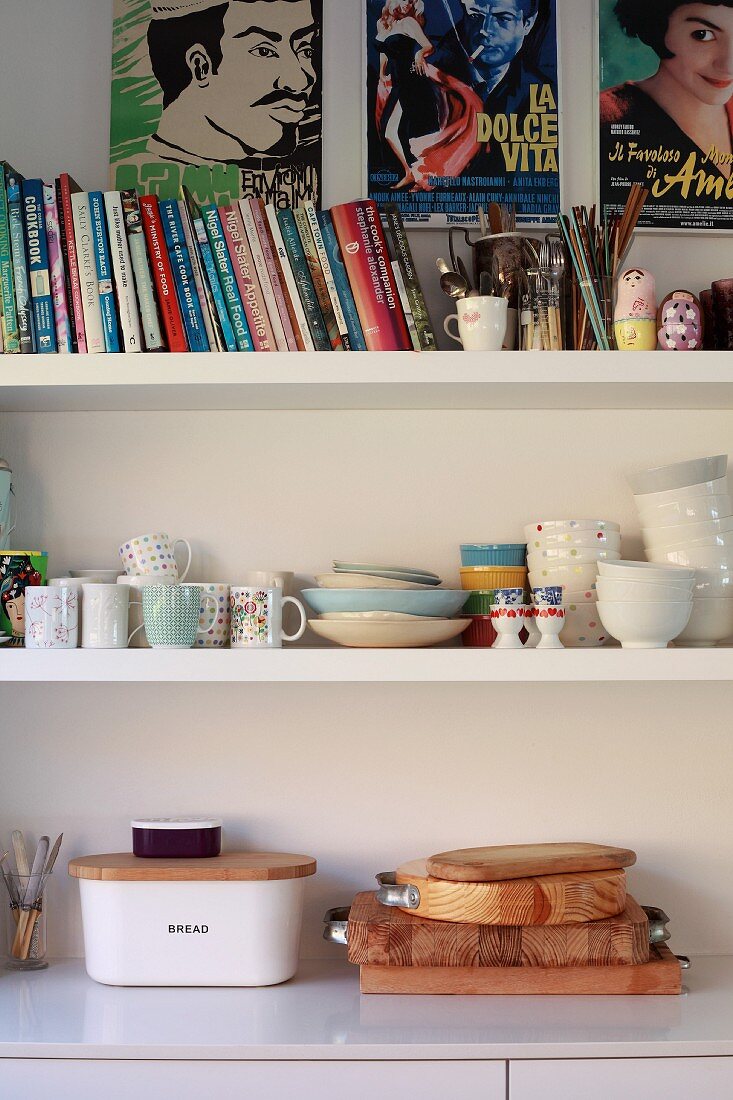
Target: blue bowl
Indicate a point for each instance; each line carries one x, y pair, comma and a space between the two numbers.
433, 602
485, 553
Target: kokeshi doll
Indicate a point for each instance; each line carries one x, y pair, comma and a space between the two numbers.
680, 322
635, 315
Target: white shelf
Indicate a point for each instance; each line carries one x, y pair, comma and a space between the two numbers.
314, 665
363, 380
61, 1013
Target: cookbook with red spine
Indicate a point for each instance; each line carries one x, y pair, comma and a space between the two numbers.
279, 289
244, 272
66, 187
366, 259
163, 278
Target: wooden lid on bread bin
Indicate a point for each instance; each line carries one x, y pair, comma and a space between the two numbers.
228, 867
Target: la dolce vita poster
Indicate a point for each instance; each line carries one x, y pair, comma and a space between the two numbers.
666, 111
223, 98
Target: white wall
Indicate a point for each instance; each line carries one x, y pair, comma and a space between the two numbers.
361, 777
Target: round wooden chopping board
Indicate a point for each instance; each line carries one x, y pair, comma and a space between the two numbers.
545, 899
508, 861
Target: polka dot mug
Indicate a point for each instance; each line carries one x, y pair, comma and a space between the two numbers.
153, 556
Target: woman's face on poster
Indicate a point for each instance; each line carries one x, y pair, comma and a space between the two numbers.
701, 38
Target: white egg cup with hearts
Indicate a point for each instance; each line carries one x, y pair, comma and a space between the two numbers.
508, 623
550, 621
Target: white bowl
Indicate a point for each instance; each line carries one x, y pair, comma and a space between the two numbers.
362, 580
568, 526
644, 625
616, 591
569, 576
583, 627
578, 555
704, 489
610, 540
376, 635
380, 617
679, 474
681, 532
724, 540
709, 585
711, 622
695, 557
687, 510
646, 571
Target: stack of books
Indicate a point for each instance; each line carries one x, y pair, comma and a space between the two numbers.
94, 272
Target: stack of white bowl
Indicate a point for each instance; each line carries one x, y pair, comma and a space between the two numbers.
644, 606
565, 553
686, 514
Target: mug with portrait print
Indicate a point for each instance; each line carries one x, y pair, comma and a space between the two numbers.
19, 570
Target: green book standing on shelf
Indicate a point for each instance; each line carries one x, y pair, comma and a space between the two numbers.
11, 339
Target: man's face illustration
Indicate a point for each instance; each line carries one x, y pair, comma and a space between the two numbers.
497, 30
261, 89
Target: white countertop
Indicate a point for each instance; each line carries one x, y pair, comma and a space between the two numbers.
320, 1014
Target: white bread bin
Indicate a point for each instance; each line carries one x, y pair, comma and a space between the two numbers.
233, 919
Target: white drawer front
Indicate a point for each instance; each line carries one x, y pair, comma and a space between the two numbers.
87, 1079
612, 1079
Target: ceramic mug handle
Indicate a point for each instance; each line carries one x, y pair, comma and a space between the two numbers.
303, 620
135, 603
187, 544
209, 599
446, 326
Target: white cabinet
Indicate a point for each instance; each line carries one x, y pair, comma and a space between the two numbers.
114, 1079
622, 1079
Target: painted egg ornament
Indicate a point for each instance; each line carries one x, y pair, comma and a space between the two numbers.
635, 315
681, 324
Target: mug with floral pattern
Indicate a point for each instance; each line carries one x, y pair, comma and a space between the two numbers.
257, 618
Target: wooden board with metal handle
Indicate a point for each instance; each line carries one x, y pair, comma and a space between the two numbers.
380, 935
661, 976
510, 861
547, 899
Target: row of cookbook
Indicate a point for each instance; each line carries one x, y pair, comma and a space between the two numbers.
120, 272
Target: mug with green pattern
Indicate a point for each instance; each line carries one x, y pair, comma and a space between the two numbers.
171, 614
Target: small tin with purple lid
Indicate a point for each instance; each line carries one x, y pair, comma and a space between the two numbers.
176, 837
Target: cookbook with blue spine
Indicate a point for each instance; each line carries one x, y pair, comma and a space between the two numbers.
180, 258
39, 274
227, 278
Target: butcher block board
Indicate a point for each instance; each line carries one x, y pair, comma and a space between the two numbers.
381, 935
508, 861
545, 899
660, 977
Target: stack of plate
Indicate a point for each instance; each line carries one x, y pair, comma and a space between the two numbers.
553, 918
373, 606
486, 566
565, 553
686, 514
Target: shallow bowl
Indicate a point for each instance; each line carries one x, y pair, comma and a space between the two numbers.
640, 592
679, 474
695, 557
687, 510
647, 571
379, 617
711, 621
644, 625
427, 603
405, 635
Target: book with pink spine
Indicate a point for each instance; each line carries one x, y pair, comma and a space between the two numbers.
273, 267
250, 289
56, 270
263, 273
67, 187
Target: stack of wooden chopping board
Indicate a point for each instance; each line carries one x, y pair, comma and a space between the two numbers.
519, 919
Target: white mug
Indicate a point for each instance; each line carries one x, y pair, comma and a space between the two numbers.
138, 638
153, 556
51, 617
257, 618
105, 622
481, 321
265, 578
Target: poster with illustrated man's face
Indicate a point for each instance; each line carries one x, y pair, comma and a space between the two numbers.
224, 98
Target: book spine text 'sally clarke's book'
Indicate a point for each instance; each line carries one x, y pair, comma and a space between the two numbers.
150, 322
228, 281
366, 258
127, 305
87, 272
180, 259
163, 280
39, 275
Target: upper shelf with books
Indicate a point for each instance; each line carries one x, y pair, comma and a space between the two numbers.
366, 380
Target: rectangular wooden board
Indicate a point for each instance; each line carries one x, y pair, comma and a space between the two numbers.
660, 977
382, 936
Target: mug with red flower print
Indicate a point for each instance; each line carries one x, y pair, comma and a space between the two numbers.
257, 618
51, 617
